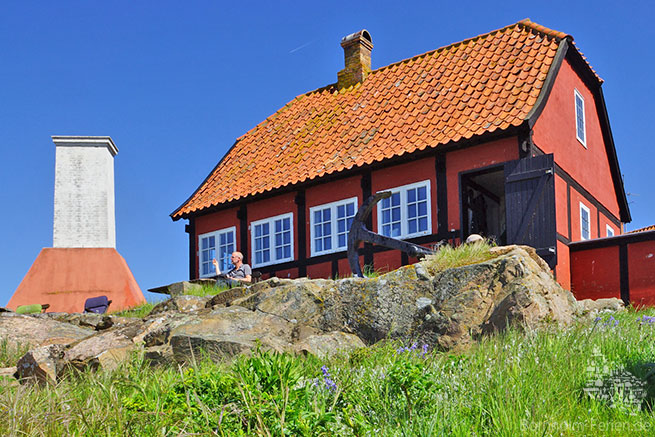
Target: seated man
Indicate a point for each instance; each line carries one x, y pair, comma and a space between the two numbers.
241, 273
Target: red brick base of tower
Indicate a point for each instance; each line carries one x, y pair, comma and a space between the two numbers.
66, 277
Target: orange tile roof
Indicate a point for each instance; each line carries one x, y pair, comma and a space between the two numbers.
466, 89
646, 229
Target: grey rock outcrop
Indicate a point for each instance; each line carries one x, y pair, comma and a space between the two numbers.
39, 331
446, 309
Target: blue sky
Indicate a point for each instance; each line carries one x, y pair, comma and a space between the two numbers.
175, 83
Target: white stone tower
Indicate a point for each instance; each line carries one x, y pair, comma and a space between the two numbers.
84, 192
83, 261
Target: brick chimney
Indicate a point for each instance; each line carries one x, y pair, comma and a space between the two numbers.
357, 51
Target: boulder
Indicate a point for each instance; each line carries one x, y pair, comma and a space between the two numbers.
105, 350
329, 345
42, 364
183, 287
516, 287
226, 332
94, 321
225, 297
39, 331
589, 308
183, 304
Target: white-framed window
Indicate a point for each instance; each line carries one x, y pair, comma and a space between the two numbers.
609, 231
218, 244
329, 225
272, 240
585, 222
580, 131
406, 213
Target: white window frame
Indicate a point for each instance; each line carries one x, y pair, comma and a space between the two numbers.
404, 222
333, 222
608, 231
577, 95
588, 211
216, 234
271, 226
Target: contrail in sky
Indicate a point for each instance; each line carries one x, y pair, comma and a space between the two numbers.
300, 47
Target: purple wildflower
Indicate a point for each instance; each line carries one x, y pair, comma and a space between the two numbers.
611, 322
646, 319
425, 350
327, 379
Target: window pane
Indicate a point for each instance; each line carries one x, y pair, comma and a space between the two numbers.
423, 208
423, 224
385, 203
411, 195
412, 227
422, 193
395, 214
342, 240
386, 216
411, 210
341, 211
395, 232
395, 199
350, 209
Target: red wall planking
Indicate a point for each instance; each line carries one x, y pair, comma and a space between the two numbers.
595, 273
641, 269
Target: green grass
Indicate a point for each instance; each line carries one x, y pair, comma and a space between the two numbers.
509, 384
206, 290
450, 257
138, 311
11, 353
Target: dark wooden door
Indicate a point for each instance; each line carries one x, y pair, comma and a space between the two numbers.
530, 205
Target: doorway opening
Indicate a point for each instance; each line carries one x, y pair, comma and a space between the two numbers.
483, 203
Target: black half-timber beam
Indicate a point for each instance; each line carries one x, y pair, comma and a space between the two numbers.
599, 243
568, 208
586, 194
190, 229
624, 280
367, 186
302, 233
562, 239
442, 192
242, 216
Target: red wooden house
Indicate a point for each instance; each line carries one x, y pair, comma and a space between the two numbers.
505, 134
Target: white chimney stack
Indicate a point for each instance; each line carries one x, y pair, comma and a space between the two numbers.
84, 192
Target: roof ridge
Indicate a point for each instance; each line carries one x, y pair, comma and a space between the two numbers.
526, 22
